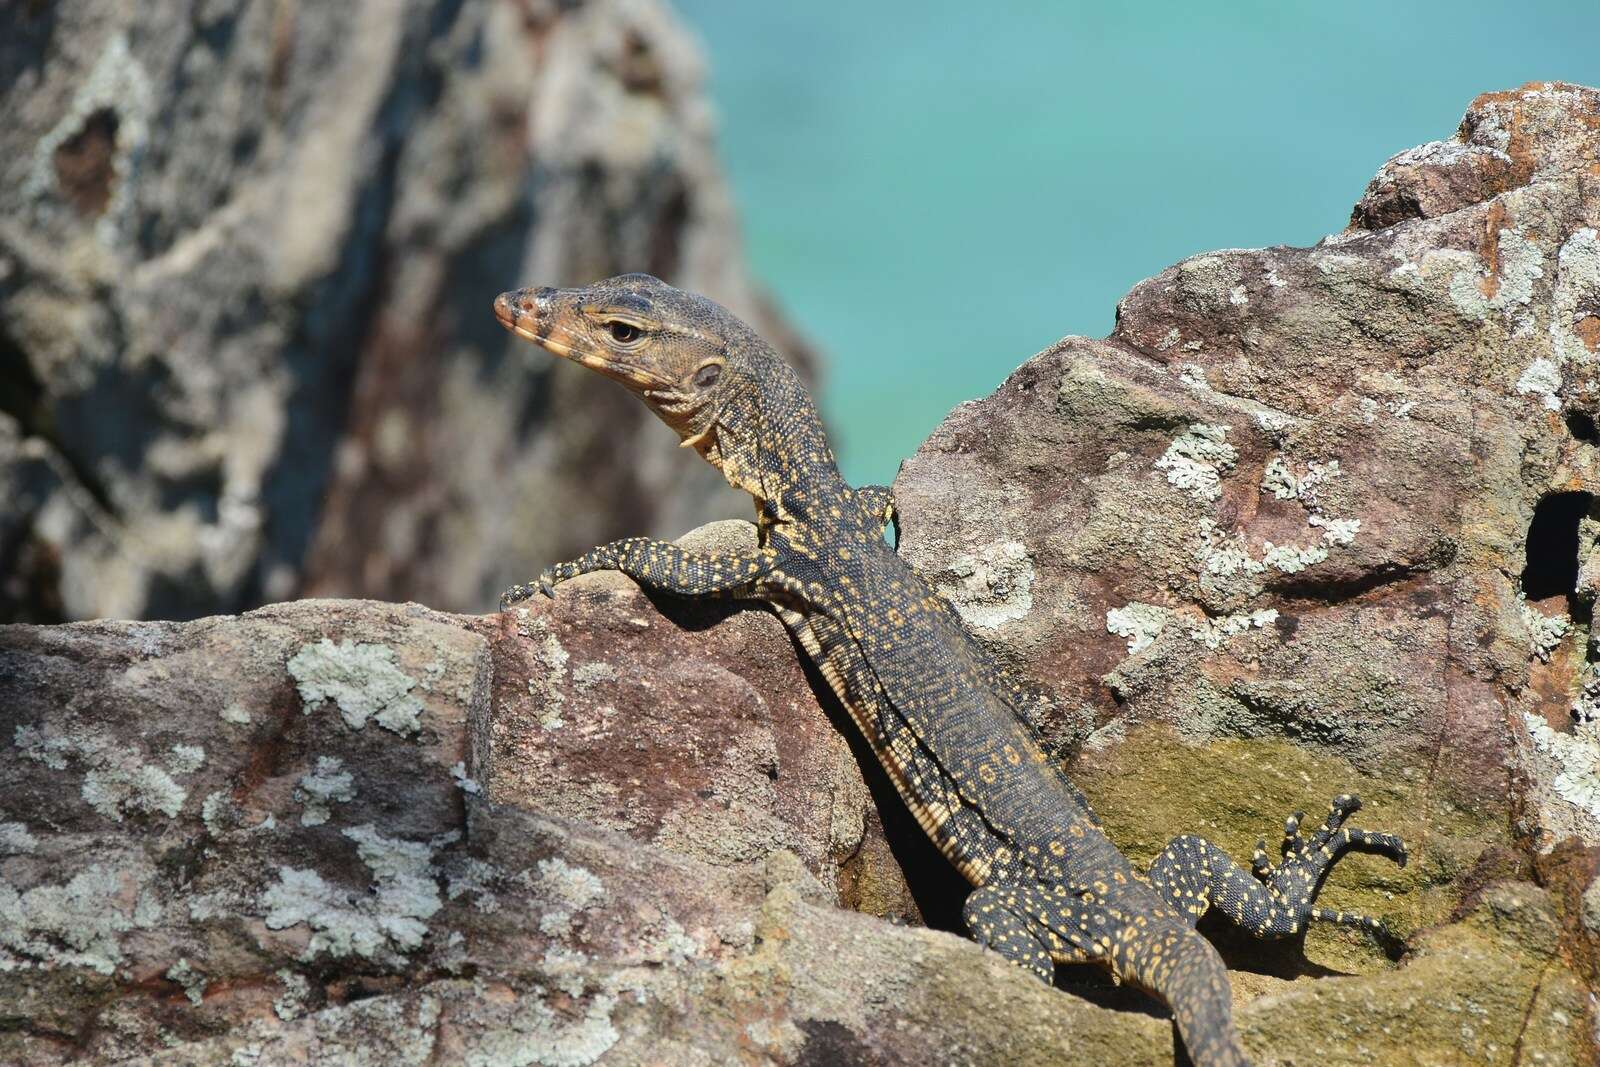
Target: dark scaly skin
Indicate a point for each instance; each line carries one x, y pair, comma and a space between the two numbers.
943, 719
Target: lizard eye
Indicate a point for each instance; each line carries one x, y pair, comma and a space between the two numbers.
707, 376
623, 333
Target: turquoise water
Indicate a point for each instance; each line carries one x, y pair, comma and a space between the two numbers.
936, 192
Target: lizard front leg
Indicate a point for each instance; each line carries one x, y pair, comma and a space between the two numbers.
1195, 875
657, 565
878, 502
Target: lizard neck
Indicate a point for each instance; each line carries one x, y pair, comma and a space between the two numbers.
770, 443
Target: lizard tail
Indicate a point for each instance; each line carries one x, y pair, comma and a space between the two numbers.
1193, 980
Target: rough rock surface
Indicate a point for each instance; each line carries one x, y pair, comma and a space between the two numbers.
1310, 520
246, 256
304, 833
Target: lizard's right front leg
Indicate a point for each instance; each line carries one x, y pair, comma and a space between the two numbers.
878, 502
658, 565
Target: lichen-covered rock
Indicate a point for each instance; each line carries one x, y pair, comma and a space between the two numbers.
1314, 519
246, 350
223, 827
419, 919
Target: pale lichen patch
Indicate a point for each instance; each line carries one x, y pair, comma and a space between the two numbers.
15, 840
191, 981
470, 876
571, 888
186, 759
1291, 559
363, 680
566, 966
992, 586
1335, 532
236, 713
1519, 264
329, 784
1577, 294
1226, 554
291, 1004
140, 787
381, 924
1586, 708
1214, 632
1196, 460
1193, 375
1223, 553
51, 750
1542, 378
535, 1036
588, 675
549, 685
117, 781
674, 946
469, 786
1544, 631
77, 924
1279, 478
1138, 623
1576, 759
1141, 623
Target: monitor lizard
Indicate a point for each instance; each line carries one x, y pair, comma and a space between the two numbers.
945, 721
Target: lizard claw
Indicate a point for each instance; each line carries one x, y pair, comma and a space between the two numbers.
546, 583
515, 594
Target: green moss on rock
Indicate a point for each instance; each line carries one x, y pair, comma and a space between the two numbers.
1150, 787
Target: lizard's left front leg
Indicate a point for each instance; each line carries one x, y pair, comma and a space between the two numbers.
658, 565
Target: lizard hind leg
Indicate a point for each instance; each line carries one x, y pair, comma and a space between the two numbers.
998, 920
1307, 859
1176, 963
1194, 875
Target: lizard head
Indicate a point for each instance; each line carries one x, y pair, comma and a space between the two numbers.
668, 347
694, 364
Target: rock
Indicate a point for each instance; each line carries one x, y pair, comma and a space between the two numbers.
205, 918
689, 727
420, 919
1312, 520
246, 351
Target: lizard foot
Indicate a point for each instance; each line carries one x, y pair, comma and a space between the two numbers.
546, 583
516, 594
1278, 901
1307, 858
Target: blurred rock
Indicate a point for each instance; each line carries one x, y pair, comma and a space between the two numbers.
246, 260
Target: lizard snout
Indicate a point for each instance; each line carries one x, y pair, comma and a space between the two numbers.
521, 306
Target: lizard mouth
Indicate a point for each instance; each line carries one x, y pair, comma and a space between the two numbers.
524, 322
